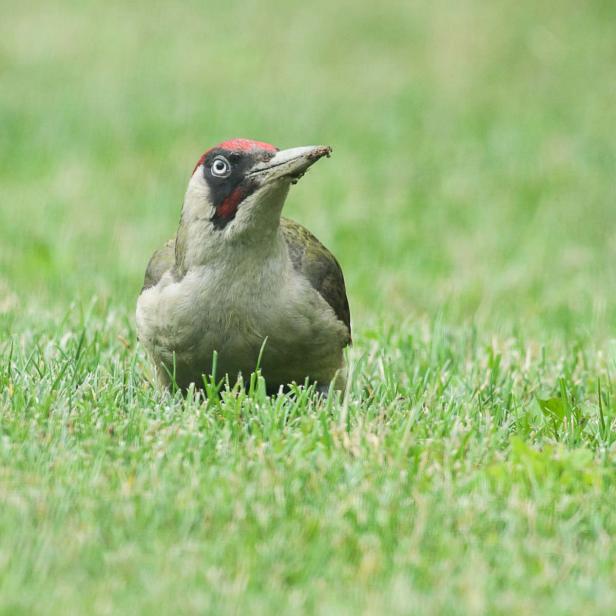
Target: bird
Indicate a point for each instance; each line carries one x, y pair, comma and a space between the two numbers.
240, 287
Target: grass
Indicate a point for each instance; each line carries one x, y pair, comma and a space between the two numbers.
470, 200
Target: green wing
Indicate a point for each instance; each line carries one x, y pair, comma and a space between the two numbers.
162, 261
319, 266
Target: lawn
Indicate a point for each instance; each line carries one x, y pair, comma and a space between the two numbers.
470, 199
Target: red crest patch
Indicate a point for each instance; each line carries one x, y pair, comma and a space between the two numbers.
238, 145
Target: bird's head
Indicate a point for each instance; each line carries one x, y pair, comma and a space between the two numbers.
238, 188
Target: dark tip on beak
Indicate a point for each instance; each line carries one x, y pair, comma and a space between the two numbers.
291, 163
320, 151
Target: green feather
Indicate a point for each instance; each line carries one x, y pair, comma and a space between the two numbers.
162, 261
318, 266
308, 255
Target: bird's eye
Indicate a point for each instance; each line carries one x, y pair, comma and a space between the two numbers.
221, 167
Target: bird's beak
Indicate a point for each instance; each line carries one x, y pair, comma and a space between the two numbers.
290, 164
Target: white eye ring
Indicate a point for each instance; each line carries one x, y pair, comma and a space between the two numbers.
221, 167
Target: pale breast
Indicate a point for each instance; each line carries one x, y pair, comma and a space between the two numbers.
287, 323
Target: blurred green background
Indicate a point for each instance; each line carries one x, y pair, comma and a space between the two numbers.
471, 201
473, 166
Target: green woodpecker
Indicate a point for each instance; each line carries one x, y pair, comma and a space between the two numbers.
243, 283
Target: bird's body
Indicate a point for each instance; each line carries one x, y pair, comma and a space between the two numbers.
265, 289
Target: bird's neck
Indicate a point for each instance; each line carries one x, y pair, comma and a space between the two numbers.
253, 237
195, 247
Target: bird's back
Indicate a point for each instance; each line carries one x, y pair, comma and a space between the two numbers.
160, 262
319, 266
